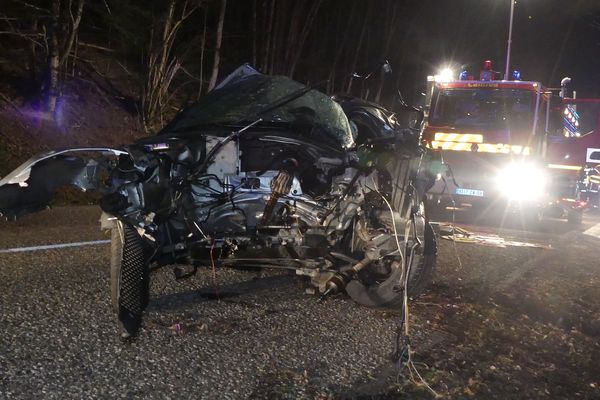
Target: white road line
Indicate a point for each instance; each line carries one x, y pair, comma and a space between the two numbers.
593, 231
53, 246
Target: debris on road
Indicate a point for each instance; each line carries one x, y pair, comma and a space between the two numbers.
461, 235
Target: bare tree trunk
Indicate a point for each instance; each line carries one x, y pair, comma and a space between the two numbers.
163, 66
340, 49
53, 58
308, 23
359, 45
269, 34
76, 47
75, 21
215, 71
291, 29
390, 29
32, 53
59, 51
202, 50
276, 35
365, 91
254, 33
157, 72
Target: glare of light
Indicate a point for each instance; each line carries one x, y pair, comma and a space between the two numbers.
577, 134
445, 75
576, 123
566, 111
521, 181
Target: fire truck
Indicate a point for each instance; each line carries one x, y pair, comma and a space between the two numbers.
512, 146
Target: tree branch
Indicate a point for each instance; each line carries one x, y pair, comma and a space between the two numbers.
75, 21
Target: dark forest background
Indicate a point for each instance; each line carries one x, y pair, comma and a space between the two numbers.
156, 56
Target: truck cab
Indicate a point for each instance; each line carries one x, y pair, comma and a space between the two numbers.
498, 141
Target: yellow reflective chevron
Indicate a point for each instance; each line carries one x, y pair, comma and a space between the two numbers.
451, 146
482, 147
458, 137
474, 142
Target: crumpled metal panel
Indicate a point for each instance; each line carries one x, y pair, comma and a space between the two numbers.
31, 186
243, 100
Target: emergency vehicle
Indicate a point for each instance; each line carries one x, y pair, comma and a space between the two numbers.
510, 146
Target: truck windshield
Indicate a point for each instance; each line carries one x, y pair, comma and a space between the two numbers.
484, 108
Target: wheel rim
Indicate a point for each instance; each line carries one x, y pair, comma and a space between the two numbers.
380, 272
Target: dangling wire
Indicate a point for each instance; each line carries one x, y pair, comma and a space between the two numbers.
402, 348
453, 212
214, 270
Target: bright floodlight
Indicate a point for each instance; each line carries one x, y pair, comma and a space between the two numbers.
521, 181
446, 75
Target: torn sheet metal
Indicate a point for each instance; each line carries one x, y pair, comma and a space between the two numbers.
22, 173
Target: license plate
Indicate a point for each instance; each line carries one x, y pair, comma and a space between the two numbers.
469, 192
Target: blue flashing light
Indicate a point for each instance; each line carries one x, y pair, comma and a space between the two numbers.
463, 76
516, 75
571, 120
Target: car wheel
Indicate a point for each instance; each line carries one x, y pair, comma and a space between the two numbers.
381, 285
533, 217
575, 217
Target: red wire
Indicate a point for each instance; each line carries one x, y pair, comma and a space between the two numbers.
214, 270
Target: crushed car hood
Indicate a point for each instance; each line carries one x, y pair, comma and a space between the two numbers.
248, 97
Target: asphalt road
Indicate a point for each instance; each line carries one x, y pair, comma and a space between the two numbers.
267, 338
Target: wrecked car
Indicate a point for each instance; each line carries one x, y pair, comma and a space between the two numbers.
261, 172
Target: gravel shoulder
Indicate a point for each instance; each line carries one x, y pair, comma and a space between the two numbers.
481, 331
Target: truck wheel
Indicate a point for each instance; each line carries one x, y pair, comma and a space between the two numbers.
129, 277
381, 286
533, 217
575, 217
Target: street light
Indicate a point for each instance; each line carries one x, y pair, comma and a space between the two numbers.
510, 25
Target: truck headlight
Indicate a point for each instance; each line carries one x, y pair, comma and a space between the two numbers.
521, 181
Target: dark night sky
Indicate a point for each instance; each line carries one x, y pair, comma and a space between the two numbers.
551, 38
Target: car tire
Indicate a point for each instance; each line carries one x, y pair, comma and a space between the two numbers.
533, 218
575, 217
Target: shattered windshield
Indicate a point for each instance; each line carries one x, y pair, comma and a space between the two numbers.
246, 99
484, 109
